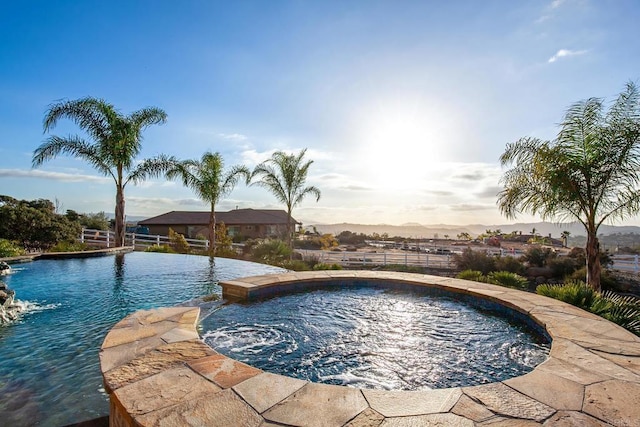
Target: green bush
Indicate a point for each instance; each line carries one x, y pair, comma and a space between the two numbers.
274, 252
607, 280
323, 266
622, 310
473, 275
295, 265
507, 279
562, 266
475, 260
573, 292
67, 246
178, 243
509, 263
165, 249
8, 249
538, 257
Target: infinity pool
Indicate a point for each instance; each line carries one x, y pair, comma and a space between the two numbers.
49, 367
375, 337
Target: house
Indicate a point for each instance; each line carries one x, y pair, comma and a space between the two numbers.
241, 224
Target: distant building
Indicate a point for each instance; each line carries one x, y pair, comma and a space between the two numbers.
241, 224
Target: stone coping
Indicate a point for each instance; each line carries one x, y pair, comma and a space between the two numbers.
158, 371
64, 255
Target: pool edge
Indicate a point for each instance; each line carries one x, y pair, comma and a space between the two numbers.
592, 373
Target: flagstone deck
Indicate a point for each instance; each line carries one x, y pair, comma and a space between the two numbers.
158, 372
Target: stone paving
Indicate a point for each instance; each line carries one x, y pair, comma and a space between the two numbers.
158, 372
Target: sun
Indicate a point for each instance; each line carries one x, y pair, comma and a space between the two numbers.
398, 146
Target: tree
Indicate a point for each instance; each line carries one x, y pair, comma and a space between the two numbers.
35, 224
565, 237
464, 236
588, 173
116, 144
208, 179
285, 176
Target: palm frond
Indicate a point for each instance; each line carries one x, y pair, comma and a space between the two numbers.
90, 114
151, 168
73, 146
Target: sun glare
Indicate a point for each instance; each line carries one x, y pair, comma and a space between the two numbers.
397, 147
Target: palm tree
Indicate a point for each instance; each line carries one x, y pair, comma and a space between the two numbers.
565, 237
285, 175
208, 179
116, 144
588, 173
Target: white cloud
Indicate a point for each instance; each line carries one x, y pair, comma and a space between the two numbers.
563, 53
252, 157
556, 3
55, 176
233, 136
469, 207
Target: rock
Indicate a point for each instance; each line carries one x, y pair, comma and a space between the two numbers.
4, 268
8, 310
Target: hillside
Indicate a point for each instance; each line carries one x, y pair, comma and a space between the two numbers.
430, 231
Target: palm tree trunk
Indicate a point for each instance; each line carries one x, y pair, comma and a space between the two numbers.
120, 228
289, 237
212, 231
594, 268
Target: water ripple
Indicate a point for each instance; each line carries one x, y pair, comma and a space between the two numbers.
375, 338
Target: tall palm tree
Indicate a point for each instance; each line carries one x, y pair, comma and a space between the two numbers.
116, 142
285, 176
207, 178
588, 173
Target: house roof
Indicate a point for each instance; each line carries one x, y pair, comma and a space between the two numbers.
233, 217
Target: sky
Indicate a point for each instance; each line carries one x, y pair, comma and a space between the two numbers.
403, 106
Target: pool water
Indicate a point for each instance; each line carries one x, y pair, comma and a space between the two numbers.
372, 337
49, 365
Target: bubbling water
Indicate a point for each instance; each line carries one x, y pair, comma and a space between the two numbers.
376, 338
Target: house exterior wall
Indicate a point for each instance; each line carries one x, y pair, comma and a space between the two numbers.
253, 231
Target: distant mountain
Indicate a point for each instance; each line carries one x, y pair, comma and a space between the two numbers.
429, 231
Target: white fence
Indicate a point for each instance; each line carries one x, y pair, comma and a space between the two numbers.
138, 241
626, 263
106, 239
406, 258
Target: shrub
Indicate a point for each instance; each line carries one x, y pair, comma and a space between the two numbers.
295, 265
625, 311
622, 310
274, 252
578, 254
226, 253
509, 263
607, 280
562, 266
165, 249
507, 279
475, 260
67, 246
8, 249
474, 275
178, 242
323, 266
573, 292
538, 257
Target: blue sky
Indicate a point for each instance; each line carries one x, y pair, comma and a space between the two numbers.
405, 107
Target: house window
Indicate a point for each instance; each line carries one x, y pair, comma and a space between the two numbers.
233, 231
272, 229
248, 227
